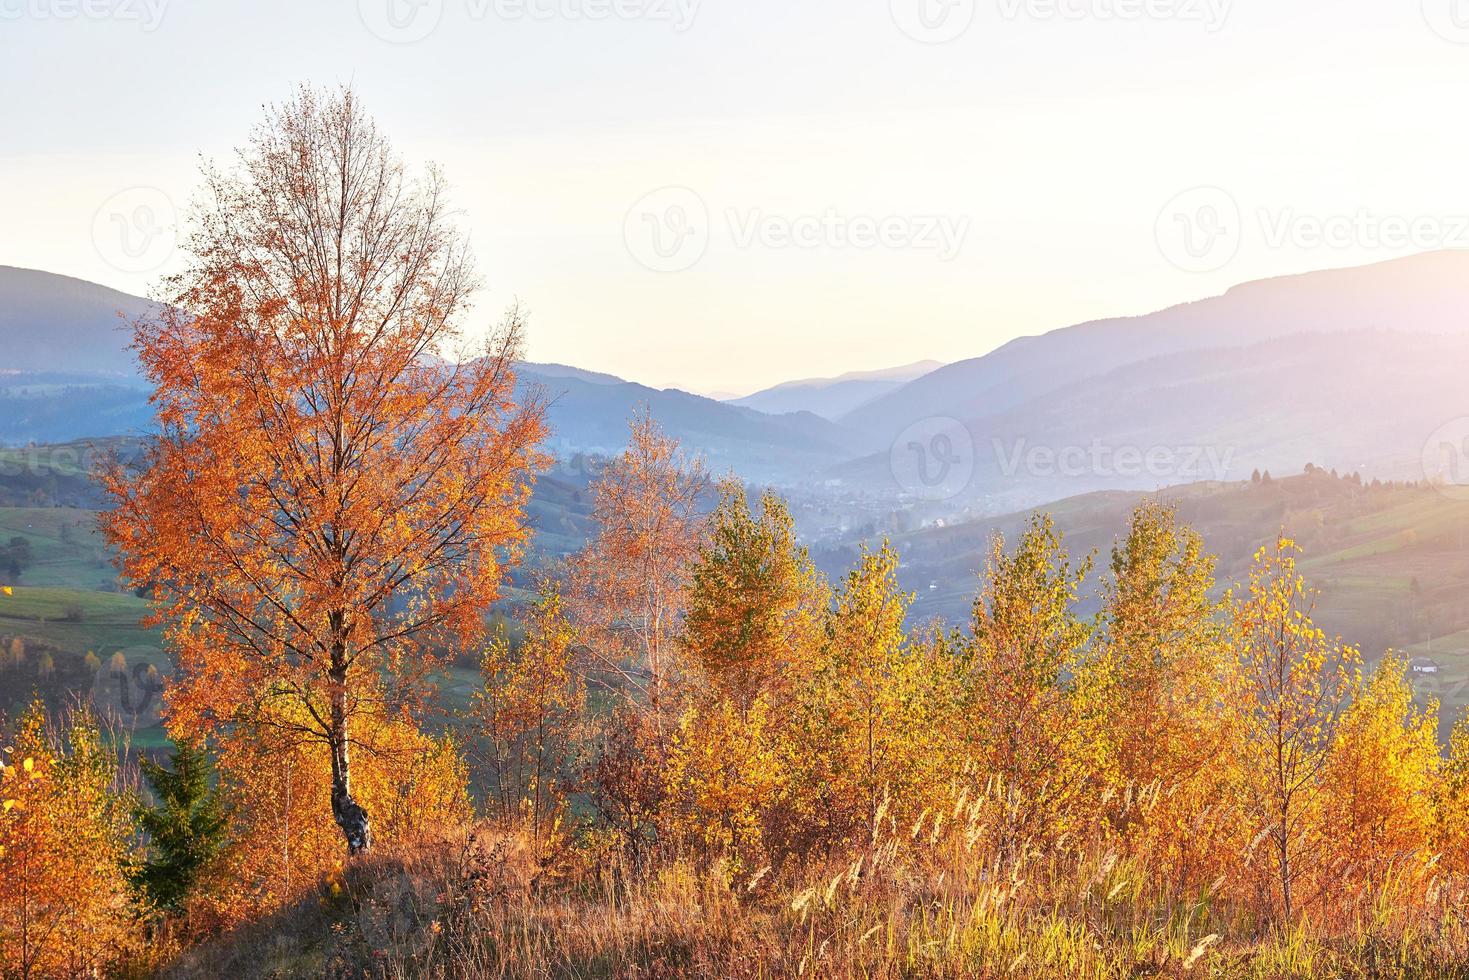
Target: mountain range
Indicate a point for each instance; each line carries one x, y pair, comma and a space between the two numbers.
1356, 369
1427, 293
66, 373
832, 398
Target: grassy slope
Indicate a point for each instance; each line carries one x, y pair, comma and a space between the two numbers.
67, 605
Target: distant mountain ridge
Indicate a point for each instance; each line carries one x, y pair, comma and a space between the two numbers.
66, 373
591, 416
567, 371
55, 323
831, 398
65, 370
1350, 368
1420, 293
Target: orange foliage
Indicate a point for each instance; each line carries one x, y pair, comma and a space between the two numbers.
628, 583
338, 483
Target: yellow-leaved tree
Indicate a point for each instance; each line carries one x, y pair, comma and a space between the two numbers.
756, 607
1158, 681
1380, 778
523, 718
1017, 720
1451, 801
859, 732
1292, 687
755, 634
65, 838
283, 841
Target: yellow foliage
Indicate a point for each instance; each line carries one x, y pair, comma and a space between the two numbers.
65, 832
1292, 687
721, 777
523, 715
277, 783
1451, 803
756, 604
1379, 787
1153, 692
1017, 720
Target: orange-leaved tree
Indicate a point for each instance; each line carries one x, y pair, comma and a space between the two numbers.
628, 583
339, 477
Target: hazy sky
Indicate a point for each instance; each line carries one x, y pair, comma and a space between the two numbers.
722, 194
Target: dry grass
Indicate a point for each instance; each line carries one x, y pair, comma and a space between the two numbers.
935, 903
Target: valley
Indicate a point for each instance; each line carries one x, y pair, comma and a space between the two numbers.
1083, 423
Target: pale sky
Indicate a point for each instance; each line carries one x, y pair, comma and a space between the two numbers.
725, 194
